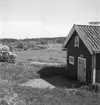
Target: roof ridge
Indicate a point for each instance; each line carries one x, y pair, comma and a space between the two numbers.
90, 36
86, 25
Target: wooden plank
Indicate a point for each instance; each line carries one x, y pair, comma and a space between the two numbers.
93, 68
82, 73
85, 41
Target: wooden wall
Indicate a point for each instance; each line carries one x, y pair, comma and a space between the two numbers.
98, 68
76, 52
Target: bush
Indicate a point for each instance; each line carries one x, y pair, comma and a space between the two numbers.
20, 45
30, 44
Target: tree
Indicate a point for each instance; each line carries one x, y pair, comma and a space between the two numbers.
20, 45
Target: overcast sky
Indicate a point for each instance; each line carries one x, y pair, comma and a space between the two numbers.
44, 18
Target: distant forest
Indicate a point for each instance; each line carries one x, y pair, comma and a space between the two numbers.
31, 42
37, 40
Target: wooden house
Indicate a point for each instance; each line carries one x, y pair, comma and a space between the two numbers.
83, 53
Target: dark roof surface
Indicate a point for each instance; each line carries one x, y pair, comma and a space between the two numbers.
89, 34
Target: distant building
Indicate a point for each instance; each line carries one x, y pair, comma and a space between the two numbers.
83, 53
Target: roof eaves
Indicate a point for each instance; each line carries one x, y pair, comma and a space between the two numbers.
96, 52
85, 41
69, 36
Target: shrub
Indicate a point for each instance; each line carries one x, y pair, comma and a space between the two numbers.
20, 45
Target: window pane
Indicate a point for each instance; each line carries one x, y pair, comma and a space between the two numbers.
71, 60
77, 41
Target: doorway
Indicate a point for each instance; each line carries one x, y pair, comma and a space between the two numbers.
81, 69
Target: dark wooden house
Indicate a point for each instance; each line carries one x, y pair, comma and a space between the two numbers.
83, 53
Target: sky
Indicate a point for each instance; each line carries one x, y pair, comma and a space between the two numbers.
44, 18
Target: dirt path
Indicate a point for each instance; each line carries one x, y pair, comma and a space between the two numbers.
45, 63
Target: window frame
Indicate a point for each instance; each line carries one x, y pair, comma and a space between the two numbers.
71, 60
76, 41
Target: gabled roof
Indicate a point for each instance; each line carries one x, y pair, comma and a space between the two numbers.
90, 35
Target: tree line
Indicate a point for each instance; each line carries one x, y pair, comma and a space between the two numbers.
30, 42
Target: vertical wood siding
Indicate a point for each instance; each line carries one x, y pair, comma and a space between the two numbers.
98, 68
77, 52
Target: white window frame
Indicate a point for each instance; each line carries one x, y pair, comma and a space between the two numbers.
76, 41
71, 60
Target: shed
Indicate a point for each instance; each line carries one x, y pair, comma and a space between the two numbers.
83, 53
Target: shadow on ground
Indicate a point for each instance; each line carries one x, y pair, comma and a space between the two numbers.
56, 75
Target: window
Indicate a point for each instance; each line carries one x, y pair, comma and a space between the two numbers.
77, 41
71, 60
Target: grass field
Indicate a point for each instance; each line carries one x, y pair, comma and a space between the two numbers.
53, 54
12, 75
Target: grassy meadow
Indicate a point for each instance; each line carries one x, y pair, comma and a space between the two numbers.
53, 54
46, 64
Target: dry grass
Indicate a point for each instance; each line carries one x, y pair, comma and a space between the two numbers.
47, 55
14, 74
18, 73
57, 96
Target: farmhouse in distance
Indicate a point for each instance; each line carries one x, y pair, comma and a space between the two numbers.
83, 53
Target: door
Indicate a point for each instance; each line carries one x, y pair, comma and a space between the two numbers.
82, 69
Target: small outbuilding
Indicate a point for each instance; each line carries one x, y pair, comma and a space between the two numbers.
83, 53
